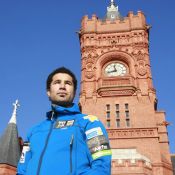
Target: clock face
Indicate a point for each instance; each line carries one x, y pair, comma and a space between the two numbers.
115, 69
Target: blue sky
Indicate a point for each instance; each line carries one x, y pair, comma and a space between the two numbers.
36, 36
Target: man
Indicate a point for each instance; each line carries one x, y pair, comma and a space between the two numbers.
67, 142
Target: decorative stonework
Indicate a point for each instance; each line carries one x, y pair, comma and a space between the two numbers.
89, 67
141, 62
115, 92
89, 52
117, 82
140, 56
116, 86
132, 133
110, 40
139, 37
89, 74
141, 70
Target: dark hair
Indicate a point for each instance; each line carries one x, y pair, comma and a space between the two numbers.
61, 70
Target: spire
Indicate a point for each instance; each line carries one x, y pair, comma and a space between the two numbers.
113, 12
9, 143
13, 118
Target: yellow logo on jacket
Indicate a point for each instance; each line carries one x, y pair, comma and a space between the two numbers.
91, 118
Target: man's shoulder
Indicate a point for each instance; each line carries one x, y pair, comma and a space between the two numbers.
92, 125
86, 119
90, 118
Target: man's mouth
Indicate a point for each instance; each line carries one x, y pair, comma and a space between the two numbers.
62, 94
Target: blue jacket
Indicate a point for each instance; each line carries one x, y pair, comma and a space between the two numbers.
67, 143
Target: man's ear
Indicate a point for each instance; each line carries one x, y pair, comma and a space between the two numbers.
48, 93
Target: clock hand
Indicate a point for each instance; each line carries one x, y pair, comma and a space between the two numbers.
112, 71
115, 68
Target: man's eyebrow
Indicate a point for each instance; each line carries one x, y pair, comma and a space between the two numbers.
56, 80
68, 81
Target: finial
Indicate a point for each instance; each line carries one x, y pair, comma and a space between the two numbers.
13, 118
112, 6
112, 3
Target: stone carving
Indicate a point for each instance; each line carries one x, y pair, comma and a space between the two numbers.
140, 58
141, 68
89, 67
89, 74
89, 53
139, 55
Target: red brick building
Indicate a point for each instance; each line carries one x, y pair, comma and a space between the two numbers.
116, 85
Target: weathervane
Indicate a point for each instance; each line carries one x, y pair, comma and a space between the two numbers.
13, 118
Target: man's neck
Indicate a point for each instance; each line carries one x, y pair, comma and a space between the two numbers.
65, 105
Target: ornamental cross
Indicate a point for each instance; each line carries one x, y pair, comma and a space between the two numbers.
16, 105
13, 118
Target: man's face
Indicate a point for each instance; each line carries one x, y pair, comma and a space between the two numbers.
61, 90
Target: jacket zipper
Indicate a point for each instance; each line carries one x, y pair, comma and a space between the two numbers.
71, 147
46, 143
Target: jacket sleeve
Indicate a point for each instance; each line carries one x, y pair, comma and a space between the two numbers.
24, 159
98, 147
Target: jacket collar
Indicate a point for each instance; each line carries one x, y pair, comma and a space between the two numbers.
74, 109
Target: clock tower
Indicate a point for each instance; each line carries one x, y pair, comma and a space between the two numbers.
116, 86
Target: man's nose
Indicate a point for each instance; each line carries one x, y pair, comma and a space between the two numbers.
62, 85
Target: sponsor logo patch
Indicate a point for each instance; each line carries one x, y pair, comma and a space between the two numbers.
99, 146
70, 123
102, 153
63, 124
26, 148
91, 118
94, 132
